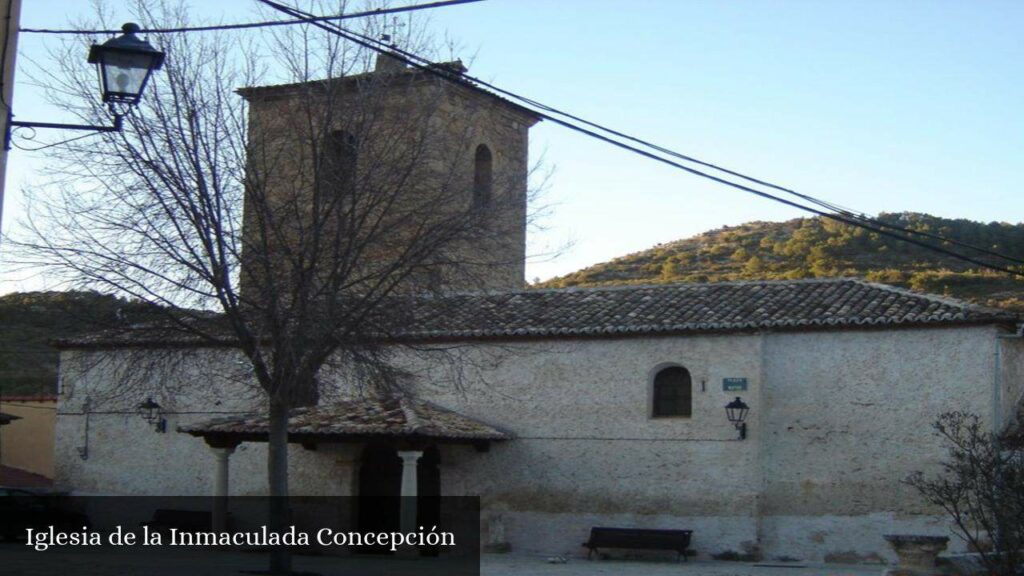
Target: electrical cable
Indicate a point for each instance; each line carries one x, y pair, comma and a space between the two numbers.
834, 211
468, 81
366, 13
307, 18
847, 212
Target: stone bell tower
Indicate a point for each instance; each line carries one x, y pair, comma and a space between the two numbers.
395, 128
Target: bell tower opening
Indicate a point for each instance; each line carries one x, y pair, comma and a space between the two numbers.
482, 177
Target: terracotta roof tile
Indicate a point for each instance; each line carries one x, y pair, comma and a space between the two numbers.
363, 417
676, 308
657, 309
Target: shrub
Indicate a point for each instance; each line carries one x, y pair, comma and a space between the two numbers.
981, 488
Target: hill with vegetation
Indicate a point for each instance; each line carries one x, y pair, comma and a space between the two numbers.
817, 248
30, 320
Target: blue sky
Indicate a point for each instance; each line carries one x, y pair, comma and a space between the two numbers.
880, 106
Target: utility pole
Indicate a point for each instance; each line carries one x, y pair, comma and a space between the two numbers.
10, 10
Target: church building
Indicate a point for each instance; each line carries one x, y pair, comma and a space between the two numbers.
581, 407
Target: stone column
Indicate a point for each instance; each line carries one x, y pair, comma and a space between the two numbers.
409, 488
220, 488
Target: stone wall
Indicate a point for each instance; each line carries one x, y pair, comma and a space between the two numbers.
415, 139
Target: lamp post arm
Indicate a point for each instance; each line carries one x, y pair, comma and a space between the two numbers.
116, 127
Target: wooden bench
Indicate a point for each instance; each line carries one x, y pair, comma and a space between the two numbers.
184, 520
639, 538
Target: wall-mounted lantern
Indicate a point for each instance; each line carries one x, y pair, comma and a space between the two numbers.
154, 415
737, 411
125, 64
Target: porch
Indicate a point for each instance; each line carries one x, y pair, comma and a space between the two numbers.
398, 440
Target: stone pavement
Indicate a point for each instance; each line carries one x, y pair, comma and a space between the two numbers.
518, 565
18, 559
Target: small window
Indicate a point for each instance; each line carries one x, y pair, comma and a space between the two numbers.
672, 393
339, 162
482, 177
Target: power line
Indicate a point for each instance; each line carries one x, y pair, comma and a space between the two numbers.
425, 65
366, 13
306, 18
846, 212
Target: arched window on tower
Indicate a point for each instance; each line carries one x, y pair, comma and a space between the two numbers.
338, 165
672, 393
482, 177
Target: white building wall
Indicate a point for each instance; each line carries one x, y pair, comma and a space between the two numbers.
837, 419
849, 416
1011, 380
105, 446
587, 446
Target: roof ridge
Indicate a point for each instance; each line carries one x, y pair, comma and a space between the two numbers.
939, 298
658, 285
829, 303
440, 408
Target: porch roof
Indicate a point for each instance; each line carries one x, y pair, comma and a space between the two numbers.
355, 420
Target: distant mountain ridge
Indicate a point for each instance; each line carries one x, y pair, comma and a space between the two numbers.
30, 320
819, 248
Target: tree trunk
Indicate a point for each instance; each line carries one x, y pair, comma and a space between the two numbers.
277, 476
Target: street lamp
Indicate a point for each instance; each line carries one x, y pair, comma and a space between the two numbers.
125, 64
153, 414
737, 411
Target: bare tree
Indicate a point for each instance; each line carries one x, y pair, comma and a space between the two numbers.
299, 223
981, 488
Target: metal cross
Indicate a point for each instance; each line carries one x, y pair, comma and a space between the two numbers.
394, 26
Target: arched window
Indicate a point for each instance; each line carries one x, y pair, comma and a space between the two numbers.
338, 166
672, 394
482, 177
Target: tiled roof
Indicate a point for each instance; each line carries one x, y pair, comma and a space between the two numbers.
678, 308
839, 303
359, 418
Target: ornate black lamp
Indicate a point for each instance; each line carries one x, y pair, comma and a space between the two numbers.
153, 413
125, 64
737, 411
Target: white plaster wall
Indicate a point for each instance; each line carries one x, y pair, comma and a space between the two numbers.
126, 456
588, 453
848, 416
837, 419
581, 409
1011, 379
